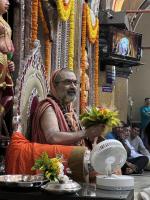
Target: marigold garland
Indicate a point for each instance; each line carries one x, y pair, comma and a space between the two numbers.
83, 46
47, 42
71, 39
66, 12
91, 30
93, 36
34, 19
64, 9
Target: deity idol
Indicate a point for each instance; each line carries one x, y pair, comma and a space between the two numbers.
6, 65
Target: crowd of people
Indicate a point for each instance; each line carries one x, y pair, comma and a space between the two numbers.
138, 156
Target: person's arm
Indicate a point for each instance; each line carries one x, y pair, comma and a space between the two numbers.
141, 148
145, 112
50, 127
127, 148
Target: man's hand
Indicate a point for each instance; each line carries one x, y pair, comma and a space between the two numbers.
11, 66
94, 131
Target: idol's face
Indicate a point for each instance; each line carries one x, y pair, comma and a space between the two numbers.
4, 6
66, 87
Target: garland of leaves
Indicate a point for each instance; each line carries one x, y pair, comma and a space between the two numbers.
47, 42
66, 12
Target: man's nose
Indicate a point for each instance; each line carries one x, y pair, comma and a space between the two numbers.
73, 85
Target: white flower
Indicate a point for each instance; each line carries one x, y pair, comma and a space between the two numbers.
63, 178
61, 168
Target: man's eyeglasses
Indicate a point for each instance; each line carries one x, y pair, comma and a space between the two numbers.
69, 82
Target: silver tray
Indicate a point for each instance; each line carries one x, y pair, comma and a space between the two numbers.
24, 181
62, 188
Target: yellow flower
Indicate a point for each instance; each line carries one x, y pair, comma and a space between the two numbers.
95, 116
92, 30
51, 167
66, 12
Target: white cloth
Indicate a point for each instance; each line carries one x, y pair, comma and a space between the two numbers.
137, 143
134, 153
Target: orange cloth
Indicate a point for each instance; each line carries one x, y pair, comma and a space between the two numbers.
21, 154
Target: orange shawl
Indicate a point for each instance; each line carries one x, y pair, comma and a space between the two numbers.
21, 155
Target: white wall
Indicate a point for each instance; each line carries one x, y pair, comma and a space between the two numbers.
139, 81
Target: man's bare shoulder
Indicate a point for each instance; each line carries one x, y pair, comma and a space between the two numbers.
49, 112
49, 120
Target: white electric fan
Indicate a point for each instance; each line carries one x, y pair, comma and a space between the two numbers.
105, 158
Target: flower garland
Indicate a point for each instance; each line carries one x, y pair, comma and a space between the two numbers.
47, 42
93, 36
34, 19
91, 30
83, 63
66, 11
71, 39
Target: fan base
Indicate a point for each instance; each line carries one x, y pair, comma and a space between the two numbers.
115, 182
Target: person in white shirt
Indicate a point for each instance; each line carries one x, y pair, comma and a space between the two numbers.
137, 159
137, 143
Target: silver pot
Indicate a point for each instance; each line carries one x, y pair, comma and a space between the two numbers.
67, 187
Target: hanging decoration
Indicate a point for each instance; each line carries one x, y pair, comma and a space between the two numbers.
71, 39
66, 12
92, 32
35, 5
47, 42
64, 9
92, 29
83, 62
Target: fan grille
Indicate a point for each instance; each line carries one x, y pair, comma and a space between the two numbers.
108, 150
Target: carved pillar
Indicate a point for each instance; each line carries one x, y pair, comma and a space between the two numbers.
27, 31
18, 34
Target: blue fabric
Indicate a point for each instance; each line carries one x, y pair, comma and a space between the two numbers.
145, 116
111, 135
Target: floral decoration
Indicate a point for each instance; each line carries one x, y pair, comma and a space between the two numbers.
92, 33
64, 9
71, 39
35, 5
66, 12
83, 63
94, 115
52, 168
47, 42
